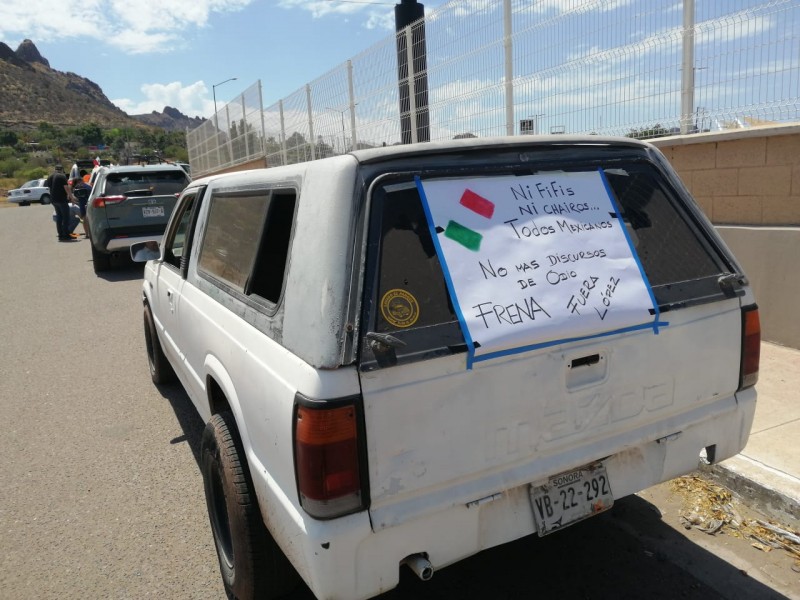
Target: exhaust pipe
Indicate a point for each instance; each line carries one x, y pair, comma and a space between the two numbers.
420, 565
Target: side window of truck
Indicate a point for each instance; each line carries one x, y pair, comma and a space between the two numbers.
176, 242
246, 242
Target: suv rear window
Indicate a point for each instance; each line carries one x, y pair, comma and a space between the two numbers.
150, 183
680, 263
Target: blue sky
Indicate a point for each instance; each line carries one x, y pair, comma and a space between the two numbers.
579, 65
147, 54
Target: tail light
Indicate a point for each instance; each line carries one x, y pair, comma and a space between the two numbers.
751, 347
102, 201
328, 456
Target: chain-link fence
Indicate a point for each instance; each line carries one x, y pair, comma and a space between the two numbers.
503, 67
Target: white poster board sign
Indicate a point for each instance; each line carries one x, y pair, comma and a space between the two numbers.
536, 260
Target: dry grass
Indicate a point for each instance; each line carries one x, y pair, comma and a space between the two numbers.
6, 183
712, 509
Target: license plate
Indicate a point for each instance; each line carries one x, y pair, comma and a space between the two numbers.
152, 211
571, 497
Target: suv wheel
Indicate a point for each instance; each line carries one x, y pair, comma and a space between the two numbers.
45, 199
100, 260
251, 563
161, 371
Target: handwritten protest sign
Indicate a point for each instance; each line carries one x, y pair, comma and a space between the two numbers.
536, 260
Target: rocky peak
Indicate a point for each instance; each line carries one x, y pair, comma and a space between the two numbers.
28, 52
8, 55
173, 113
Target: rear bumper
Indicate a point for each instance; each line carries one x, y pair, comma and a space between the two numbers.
26, 198
107, 241
345, 558
123, 243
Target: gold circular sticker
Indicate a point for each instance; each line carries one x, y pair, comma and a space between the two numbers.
399, 308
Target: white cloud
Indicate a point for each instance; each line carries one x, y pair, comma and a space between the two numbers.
322, 8
381, 20
192, 100
375, 18
138, 27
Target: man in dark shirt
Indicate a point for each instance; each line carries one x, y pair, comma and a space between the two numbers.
60, 194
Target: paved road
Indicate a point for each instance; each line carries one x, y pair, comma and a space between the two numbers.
101, 496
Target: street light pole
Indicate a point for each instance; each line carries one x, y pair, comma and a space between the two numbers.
536, 122
214, 94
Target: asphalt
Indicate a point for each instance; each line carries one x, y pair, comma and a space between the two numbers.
766, 474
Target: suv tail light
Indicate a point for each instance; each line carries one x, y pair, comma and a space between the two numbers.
102, 201
328, 456
751, 347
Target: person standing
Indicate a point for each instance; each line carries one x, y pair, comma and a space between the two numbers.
60, 195
81, 190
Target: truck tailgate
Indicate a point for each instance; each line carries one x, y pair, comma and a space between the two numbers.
440, 435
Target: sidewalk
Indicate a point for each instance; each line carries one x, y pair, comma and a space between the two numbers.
766, 474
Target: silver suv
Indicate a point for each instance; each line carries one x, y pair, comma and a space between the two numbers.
129, 204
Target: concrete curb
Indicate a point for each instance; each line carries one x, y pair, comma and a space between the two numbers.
768, 490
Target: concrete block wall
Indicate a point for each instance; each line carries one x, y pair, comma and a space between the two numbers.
748, 184
741, 177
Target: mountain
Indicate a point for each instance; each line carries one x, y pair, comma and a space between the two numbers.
170, 119
32, 92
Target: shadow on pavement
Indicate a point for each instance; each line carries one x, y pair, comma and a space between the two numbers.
190, 422
122, 269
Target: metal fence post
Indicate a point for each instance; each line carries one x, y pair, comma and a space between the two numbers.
310, 122
687, 66
217, 139
263, 126
351, 93
284, 153
509, 71
245, 126
228, 134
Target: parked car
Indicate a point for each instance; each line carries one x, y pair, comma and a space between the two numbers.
128, 204
30, 191
407, 355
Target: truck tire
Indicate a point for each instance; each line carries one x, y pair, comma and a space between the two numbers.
100, 260
250, 562
161, 371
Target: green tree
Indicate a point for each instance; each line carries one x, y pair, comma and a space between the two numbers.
91, 134
10, 166
648, 132
179, 153
8, 138
47, 129
71, 142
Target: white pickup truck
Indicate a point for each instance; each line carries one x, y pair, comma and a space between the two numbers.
407, 355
